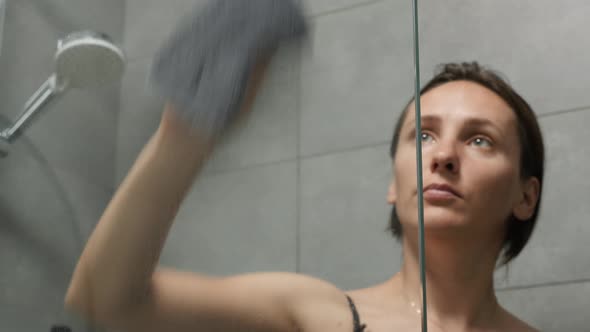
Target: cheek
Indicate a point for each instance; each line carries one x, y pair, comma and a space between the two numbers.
496, 186
405, 175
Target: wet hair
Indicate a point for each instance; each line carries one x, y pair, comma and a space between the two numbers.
532, 156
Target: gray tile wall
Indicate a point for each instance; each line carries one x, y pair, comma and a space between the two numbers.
301, 185
59, 176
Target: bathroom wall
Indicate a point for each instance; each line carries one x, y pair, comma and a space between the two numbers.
301, 185
58, 177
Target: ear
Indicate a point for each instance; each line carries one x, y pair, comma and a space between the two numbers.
391, 194
527, 201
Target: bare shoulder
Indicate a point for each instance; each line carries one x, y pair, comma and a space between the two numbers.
262, 301
513, 323
318, 305
308, 302
313, 304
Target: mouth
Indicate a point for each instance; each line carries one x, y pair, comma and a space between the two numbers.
441, 189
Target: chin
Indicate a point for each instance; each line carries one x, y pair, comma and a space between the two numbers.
438, 218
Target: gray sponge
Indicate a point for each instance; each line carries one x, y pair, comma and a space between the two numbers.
204, 67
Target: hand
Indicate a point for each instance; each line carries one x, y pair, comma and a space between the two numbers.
220, 51
172, 124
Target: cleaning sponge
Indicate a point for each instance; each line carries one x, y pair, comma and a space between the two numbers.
204, 66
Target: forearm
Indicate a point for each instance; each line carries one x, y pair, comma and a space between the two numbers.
119, 259
116, 267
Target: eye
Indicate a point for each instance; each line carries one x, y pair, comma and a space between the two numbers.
426, 136
482, 142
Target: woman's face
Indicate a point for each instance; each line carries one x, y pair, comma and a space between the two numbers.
470, 144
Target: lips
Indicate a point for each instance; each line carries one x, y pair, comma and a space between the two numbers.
442, 187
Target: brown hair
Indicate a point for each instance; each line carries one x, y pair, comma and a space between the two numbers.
532, 156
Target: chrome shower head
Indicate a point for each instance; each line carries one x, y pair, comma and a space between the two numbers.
83, 59
88, 59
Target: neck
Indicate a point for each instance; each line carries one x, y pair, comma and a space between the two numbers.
459, 280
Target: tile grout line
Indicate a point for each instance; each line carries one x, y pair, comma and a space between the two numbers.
286, 160
297, 79
298, 158
115, 168
545, 284
346, 8
564, 111
347, 149
90, 327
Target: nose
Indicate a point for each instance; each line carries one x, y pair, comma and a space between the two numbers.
444, 158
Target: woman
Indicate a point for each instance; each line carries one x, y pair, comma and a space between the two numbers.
482, 171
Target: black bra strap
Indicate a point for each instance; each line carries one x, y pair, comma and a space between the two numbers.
355, 316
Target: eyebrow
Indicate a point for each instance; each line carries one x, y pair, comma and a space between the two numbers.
472, 121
